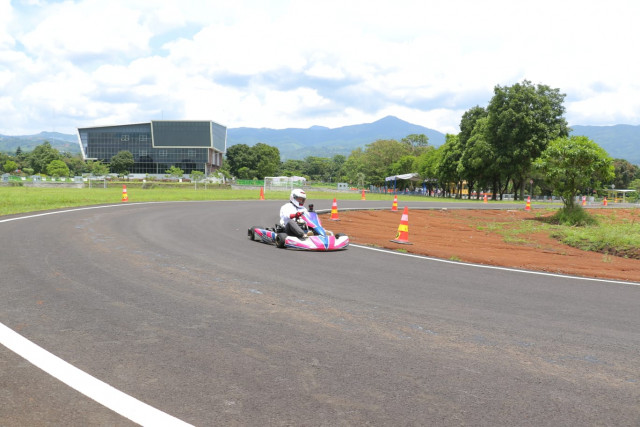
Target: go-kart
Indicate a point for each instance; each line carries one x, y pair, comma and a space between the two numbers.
316, 239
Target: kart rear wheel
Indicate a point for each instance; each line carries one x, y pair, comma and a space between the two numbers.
339, 235
280, 239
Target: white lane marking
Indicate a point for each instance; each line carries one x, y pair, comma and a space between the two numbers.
74, 210
494, 267
123, 404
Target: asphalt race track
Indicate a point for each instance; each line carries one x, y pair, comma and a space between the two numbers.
171, 306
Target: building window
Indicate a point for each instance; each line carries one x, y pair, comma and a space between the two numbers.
162, 153
191, 153
143, 138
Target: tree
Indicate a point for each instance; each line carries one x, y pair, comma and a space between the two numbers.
97, 168
197, 176
267, 159
378, 158
10, 166
57, 168
447, 169
336, 168
523, 118
238, 156
354, 166
570, 164
471, 166
76, 165
317, 168
260, 160
427, 166
122, 162
175, 172
42, 156
477, 162
417, 143
625, 172
292, 167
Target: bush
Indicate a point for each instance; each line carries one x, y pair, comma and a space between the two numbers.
574, 217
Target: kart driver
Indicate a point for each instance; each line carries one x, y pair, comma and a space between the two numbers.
292, 210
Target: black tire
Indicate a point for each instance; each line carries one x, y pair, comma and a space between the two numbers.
339, 235
251, 234
280, 239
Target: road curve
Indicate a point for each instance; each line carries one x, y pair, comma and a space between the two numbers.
171, 304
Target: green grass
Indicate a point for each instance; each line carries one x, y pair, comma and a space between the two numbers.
611, 239
20, 199
604, 234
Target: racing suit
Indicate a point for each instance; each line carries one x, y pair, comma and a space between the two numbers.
287, 219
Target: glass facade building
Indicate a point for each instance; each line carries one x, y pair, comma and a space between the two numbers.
158, 145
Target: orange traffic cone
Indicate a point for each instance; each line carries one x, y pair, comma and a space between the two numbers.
394, 206
584, 200
363, 197
261, 193
402, 236
334, 211
528, 206
485, 198
604, 202
125, 197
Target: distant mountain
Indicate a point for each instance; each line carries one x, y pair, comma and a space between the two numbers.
62, 142
321, 141
620, 141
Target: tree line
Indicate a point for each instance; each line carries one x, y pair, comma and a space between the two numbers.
519, 139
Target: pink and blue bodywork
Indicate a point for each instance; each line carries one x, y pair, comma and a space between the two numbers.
319, 241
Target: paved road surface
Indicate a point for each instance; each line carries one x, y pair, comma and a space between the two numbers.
172, 305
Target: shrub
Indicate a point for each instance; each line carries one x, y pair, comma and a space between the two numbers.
573, 216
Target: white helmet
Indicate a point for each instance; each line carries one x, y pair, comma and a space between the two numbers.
298, 197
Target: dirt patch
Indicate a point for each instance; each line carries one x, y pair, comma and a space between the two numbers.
481, 236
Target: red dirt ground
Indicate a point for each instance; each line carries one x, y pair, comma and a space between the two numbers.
474, 236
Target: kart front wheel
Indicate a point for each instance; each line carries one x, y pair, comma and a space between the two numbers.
280, 239
251, 233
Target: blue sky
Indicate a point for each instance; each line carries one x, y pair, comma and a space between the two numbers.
279, 64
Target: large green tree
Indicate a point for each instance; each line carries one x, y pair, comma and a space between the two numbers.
317, 168
97, 168
122, 162
522, 120
470, 167
267, 160
447, 170
417, 143
378, 158
258, 161
625, 173
58, 168
239, 156
477, 162
10, 166
41, 156
572, 164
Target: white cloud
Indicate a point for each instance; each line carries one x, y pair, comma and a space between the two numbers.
297, 64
